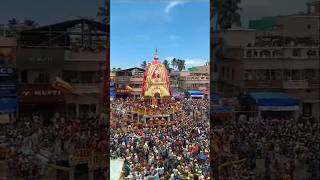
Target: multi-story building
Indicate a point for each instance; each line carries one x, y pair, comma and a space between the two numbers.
129, 82
196, 78
73, 50
279, 54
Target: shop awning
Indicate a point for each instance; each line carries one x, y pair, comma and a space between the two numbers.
274, 101
113, 92
8, 105
195, 93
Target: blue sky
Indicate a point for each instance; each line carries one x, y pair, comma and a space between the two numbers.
177, 28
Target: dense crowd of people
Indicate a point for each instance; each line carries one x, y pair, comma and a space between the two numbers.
289, 148
175, 148
35, 142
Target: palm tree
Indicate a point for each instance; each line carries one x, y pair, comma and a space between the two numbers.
181, 64
226, 13
13, 22
144, 65
103, 12
167, 65
30, 23
174, 63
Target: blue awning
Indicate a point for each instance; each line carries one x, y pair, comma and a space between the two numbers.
8, 105
273, 99
195, 92
113, 92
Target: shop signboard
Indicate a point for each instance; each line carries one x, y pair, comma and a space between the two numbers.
40, 58
34, 93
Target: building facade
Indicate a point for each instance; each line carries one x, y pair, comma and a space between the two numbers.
75, 51
129, 82
281, 57
196, 78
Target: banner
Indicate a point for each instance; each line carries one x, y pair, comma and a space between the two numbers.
8, 55
8, 78
8, 105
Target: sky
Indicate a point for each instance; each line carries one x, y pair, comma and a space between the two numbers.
45, 12
177, 28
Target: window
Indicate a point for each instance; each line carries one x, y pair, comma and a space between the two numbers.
93, 108
272, 75
295, 75
83, 111
278, 74
24, 76
42, 78
223, 72
228, 73
246, 75
232, 74
296, 52
249, 53
71, 76
287, 75
87, 77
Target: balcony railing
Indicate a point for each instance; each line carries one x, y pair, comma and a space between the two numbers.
85, 56
87, 88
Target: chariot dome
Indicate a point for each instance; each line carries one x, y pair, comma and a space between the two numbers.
156, 81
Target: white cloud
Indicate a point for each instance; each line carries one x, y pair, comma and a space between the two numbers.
173, 4
195, 62
190, 62
169, 58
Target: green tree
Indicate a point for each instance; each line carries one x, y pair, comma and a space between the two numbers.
181, 64
12, 22
174, 63
30, 23
226, 13
167, 65
178, 64
103, 12
144, 65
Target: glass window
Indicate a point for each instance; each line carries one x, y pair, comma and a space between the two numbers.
24, 76
296, 52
